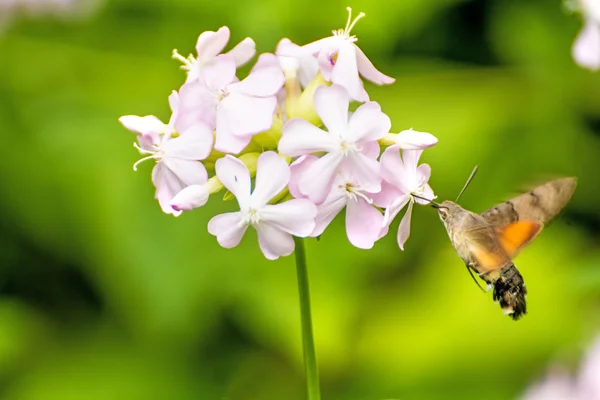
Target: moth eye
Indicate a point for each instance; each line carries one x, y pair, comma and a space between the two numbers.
443, 213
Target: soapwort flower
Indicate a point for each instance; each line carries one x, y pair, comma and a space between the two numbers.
341, 60
349, 143
274, 223
403, 178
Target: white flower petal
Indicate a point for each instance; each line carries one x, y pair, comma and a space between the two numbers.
394, 208
243, 51
191, 197
265, 79
404, 228
228, 228
210, 43
226, 141
247, 115
300, 137
297, 169
331, 103
316, 181
365, 171
345, 72
328, 210
234, 175
189, 172
368, 70
413, 140
296, 217
148, 124
368, 123
272, 176
273, 242
219, 73
193, 144
363, 223
167, 185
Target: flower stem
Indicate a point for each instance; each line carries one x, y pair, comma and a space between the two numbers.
308, 343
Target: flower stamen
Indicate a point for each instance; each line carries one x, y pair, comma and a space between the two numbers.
345, 33
187, 62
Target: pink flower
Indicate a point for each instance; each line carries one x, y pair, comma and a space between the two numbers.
210, 44
304, 67
586, 49
363, 221
403, 178
177, 163
341, 60
237, 110
274, 223
349, 143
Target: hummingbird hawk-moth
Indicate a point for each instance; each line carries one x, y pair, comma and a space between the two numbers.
487, 242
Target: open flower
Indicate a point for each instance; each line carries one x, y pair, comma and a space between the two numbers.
341, 60
349, 143
210, 44
403, 178
237, 110
274, 223
363, 220
586, 49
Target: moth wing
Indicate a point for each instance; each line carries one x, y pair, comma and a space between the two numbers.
515, 236
486, 249
540, 204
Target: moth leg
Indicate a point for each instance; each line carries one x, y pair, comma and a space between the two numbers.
470, 269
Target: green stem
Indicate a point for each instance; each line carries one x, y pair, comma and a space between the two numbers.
308, 343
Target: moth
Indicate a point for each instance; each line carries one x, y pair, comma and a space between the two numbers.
488, 242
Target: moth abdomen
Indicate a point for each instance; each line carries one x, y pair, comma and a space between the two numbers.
510, 292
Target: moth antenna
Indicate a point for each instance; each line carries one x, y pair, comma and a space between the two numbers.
468, 181
433, 203
475, 280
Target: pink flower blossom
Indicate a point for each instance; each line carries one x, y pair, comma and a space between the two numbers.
274, 223
586, 49
403, 178
177, 158
237, 110
210, 44
350, 143
363, 221
341, 60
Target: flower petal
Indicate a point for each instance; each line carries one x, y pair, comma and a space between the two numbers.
243, 51
345, 72
394, 208
586, 49
234, 175
210, 44
365, 171
274, 242
388, 194
148, 124
189, 172
272, 175
226, 141
167, 185
228, 228
191, 197
296, 217
413, 140
220, 73
297, 169
316, 181
248, 115
368, 70
325, 63
195, 143
368, 123
331, 103
196, 103
363, 223
328, 210
265, 79
404, 228
300, 137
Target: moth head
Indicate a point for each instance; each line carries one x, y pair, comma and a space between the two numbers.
446, 210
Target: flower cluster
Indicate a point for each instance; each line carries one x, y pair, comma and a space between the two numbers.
586, 49
287, 126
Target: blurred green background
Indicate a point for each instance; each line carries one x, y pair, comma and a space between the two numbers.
104, 297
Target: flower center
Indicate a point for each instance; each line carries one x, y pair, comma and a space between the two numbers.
349, 147
345, 33
252, 217
156, 154
353, 193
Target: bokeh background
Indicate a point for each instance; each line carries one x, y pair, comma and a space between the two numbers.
102, 296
